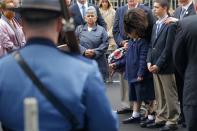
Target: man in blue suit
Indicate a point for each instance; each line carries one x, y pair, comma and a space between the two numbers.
121, 39
118, 29
79, 88
78, 10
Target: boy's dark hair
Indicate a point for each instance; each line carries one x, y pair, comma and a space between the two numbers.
136, 20
164, 3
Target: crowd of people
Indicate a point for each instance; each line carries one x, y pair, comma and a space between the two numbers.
158, 60
157, 68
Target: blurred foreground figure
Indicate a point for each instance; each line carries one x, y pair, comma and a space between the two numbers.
185, 58
79, 88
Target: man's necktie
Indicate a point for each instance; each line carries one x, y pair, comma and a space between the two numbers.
83, 11
158, 28
182, 13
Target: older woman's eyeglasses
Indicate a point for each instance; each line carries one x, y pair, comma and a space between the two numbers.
92, 16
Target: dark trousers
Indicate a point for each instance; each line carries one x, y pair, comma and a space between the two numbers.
190, 113
180, 84
4, 128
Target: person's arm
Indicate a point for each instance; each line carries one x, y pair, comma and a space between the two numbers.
149, 56
179, 51
6, 44
99, 114
121, 63
142, 60
151, 22
171, 20
103, 46
167, 51
77, 33
116, 31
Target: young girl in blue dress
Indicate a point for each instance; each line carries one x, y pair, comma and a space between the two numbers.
136, 72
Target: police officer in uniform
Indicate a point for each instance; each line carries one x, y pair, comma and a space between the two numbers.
79, 88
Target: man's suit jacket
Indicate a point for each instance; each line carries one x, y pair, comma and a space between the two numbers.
190, 11
118, 28
185, 57
78, 19
160, 53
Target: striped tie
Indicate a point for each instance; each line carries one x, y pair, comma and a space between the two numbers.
182, 13
83, 11
158, 28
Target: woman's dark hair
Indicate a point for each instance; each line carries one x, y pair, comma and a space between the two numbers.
163, 4
136, 20
100, 5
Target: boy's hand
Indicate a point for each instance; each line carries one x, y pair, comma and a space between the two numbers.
139, 78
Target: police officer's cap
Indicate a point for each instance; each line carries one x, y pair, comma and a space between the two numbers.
49, 5
39, 9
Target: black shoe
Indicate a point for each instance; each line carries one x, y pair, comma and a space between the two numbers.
131, 120
124, 111
143, 119
181, 120
169, 128
155, 125
183, 125
144, 123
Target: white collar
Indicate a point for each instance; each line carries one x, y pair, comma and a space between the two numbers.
134, 7
187, 6
80, 5
159, 21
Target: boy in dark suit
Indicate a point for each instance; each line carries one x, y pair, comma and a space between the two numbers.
159, 62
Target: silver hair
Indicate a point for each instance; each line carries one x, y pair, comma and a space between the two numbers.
91, 9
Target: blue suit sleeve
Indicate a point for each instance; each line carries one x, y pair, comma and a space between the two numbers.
98, 111
77, 33
149, 55
143, 56
167, 52
180, 57
121, 63
116, 30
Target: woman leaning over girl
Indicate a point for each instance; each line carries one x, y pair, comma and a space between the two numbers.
136, 72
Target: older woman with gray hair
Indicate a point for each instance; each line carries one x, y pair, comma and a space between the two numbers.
93, 40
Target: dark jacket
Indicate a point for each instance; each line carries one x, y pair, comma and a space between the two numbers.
74, 81
185, 58
135, 60
78, 19
190, 11
118, 28
160, 52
